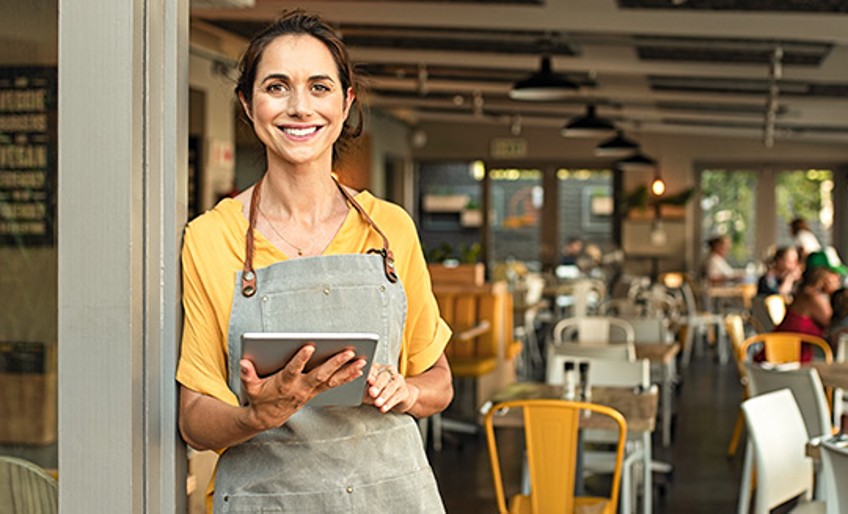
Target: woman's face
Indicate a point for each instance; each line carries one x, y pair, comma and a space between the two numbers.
299, 106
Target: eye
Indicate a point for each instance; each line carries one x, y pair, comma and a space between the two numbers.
321, 88
275, 88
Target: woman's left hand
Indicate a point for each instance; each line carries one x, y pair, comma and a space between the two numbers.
388, 390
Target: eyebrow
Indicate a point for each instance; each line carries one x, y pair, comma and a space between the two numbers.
283, 76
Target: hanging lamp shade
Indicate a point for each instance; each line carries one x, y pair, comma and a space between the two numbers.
616, 146
636, 162
588, 125
544, 85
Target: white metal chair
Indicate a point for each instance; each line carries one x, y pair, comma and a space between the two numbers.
834, 454
696, 323
776, 444
806, 387
593, 330
612, 351
614, 373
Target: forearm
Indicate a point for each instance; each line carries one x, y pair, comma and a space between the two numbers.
435, 389
207, 423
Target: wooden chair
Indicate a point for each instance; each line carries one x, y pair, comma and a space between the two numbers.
551, 438
26, 488
783, 347
735, 328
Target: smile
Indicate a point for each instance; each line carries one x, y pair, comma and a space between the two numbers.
300, 131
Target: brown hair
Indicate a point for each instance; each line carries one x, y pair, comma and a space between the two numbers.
299, 22
812, 277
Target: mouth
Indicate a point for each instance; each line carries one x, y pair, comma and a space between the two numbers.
300, 131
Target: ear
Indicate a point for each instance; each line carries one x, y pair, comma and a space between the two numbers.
350, 97
246, 107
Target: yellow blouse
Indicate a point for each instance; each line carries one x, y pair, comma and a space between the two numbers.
213, 252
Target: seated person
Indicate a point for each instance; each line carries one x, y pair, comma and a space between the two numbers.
782, 274
572, 250
839, 319
804, 239
716, 271
810, 311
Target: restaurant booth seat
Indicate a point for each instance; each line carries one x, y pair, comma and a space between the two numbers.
482, 350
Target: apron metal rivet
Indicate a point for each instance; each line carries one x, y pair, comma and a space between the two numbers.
226, 498
327, 290
382, 289
349, 489
265, 298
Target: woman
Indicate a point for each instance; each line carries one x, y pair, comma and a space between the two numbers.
810, 311
316, 257
782, 274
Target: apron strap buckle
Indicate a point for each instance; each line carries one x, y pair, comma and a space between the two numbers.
388, 263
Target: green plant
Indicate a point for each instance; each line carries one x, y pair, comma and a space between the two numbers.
470, 254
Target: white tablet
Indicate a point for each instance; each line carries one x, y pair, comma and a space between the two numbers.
271, 351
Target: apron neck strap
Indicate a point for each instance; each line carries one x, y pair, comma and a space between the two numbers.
385, 252
248, 276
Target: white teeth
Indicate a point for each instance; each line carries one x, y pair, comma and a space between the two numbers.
300, 132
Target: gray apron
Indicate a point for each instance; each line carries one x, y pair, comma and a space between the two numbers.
325, 459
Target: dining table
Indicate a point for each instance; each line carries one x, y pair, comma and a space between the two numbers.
833, 374
639, 408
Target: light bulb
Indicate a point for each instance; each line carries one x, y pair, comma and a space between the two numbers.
658, 187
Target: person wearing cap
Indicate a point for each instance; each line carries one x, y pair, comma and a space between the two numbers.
827, 258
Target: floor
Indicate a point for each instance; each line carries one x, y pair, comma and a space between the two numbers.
704, 479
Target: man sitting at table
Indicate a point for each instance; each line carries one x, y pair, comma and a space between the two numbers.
716, 271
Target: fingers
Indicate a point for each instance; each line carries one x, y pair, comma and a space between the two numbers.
386, 389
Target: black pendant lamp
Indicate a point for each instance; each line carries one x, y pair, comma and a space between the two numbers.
588, 125
616, 146
636, 162
544, 85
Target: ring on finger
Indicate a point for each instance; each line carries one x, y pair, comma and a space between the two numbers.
388, 370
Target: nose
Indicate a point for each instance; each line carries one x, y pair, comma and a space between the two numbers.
299, 104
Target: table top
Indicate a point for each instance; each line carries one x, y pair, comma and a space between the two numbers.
638, 408
661, 353
833, 374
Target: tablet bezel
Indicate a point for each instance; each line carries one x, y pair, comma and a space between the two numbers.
271, 351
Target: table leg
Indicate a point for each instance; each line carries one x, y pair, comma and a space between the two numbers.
667, 390
647, 479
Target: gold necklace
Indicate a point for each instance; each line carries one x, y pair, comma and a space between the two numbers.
297, 248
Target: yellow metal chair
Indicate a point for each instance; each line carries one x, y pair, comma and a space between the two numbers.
783, 347
551, 437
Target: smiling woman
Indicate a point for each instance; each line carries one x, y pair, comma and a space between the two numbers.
307, 254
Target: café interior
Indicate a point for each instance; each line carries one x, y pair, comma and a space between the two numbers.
566, 165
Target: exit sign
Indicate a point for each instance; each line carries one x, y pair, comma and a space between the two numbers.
508, 147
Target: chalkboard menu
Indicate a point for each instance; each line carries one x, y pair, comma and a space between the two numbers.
28, 157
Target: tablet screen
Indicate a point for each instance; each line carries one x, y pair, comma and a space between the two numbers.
271, 351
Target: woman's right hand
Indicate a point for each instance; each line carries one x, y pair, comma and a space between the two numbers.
273, 399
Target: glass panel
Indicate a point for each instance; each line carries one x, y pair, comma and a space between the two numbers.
28, 280
450, 208
585, 207
804, 194
728, 204
515, 215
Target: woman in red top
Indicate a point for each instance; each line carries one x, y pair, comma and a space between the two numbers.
810, 311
